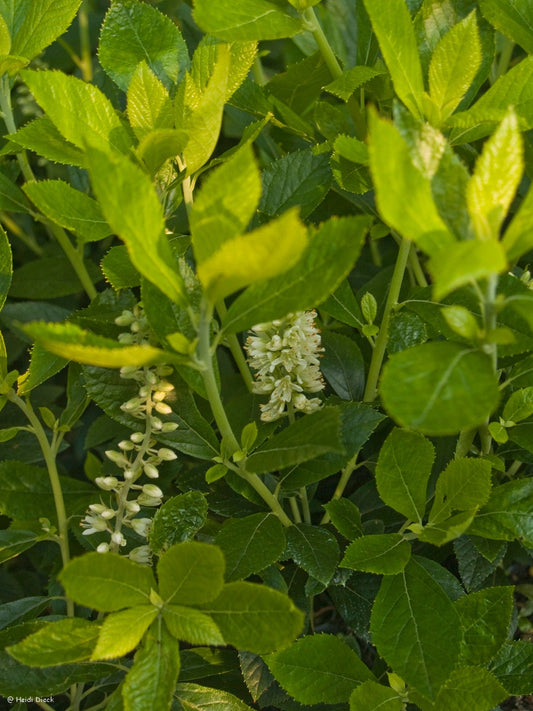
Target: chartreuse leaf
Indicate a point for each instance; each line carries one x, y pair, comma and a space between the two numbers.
246, 20
513, 667
370, 696
118, 270
135, 32
13, 542
346, 517
43, 365
314, 549
439, 388
191, 625
395, 176
454, 65
225, 204
250, 544
519, 406
69, 208
518, 238
318, 668
350, 80
305, 439
132, 209
464, 485
192, 697
485, 619
149, 106
386, 554
402, 472
242, 55
404, 631
41, 136
513, 18
190, 573
107, 582
150, 682
80, 111
122, 631
178, 519
254, 617
448, 529
507, 515
66, 641
74, 343
495, 180
328, 258
254, 256
393, 27
34, 26
6, 266
468, 689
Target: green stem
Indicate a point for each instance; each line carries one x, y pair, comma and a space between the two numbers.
314, 26
489, 323
346, 473
188, 190
305, 505
86, 64
417, 269
49, 453
295, 510
258, 72
28, 240
505, 58
265, 493
378, 354
236, 351
513, 469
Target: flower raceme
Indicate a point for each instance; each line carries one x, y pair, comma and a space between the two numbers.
285, 355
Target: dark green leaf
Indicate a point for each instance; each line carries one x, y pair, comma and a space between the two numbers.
314, 549
370, 696
386, 554
342, 365
13, 542
507, 515
69, 640
346, 518
513, 667
47, 278
177, 520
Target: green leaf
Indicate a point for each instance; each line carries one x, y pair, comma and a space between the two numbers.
18, 611
149, 106
454, 65
48, 278
254, 256
247, 20
192, 697
346, 518
439, 388
42, 137
69, 640
254, 617
6, 266
351, 79
122, 631
392, 24
485, 619
464, 484
343, 306
513, 18
402, 472
404, 631
36, 25
151, 681
318, 668
370, 696
225, 204
519, 406
342, 365
132, 209
177, 520
74, 343
107, 582
513, 667
12, 198
470, 689
306, 438
250, 544
517, 239
448, 529
385, 554
473, 567
69, 208
118, 270
298, 179
495, 180
314, 549
395, 176
135, 32
80, 111
507, 515
14, 541
191, 626
328, 258
190, 573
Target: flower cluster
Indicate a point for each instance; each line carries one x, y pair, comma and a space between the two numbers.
137, 455
285, 354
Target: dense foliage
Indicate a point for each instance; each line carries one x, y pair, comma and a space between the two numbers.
266, 374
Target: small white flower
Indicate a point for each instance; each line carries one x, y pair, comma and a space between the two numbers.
141, 554
141, 526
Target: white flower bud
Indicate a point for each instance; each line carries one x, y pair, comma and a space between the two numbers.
103, 548
156, 423
152, 490
163, 408
107, 483
132, 507
166, 455
137, 437
141, 554
146, 500
118, 538
116, 457
169, 427
125, 318
128, 474
141, 526
151, 471
125, 445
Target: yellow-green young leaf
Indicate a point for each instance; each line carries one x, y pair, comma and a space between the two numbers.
513, 18
131, 207
464, 262
6, 266
519, 406
507, 515
80, 111
74, 343
122, 631
262, 254
225, 204
10, 64
191, 697
245, 20
42, 137
518, 237
149, 105
35, 25
454, 65
395, 177
190, 573
242, 55
159, 145
470, 688
192, 626
63, 642
370, 696
5, 36
496, 177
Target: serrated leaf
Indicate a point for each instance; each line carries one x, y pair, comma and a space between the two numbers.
344, 86
6, 266
346, 517
328, 258
507, 515
424, 388
192, 697
464, 484
314, 549
517, 239
11, 196
14, 541
249, 20
149, 106
177, 520
519, 406
122, 631
190, 573
513, 18
42, 137
43, 365
107, 582
385, 554
191, 625
342, 365
370, 696
66, 641
318, 668
69, 208
404, 630
254, 617
470, 688
118, 270
513, 667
